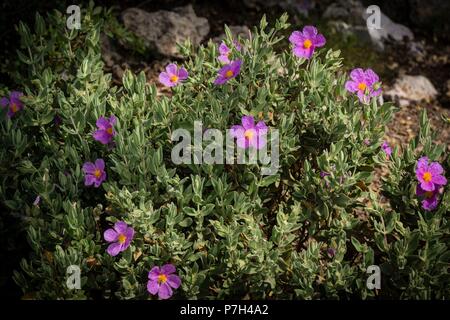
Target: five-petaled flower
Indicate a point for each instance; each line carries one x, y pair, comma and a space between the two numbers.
163, 280
366, 84
120, 236
305, 42
14, 103
105, 132
94, 173
173, 75
248, 134
225, 52
228, 72
430, 175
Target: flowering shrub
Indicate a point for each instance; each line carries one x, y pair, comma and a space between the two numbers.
154, 229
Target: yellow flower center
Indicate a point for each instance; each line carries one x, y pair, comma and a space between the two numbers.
427, 176
97, 173
162, 278
109, 130
122, 238
248, 134
14, 108
307, 44
229, 74
362, 86
428, 194
174, 78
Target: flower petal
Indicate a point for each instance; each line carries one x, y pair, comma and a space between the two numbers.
248, 122
110, 235
4, 102
174, 281
171, 69
120, 227
309, 31
114, 249
357, 75
100, 164
168, 269
319, 40
88, 167
153, 286
154, 273
165, 291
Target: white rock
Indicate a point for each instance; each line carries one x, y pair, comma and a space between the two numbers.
409, 89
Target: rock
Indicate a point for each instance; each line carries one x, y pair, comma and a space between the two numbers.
409, 89
356, 17
162, 30
236, 31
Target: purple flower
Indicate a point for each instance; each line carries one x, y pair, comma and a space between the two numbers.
162, 280
429, 198
430, 175
306, 42
94, 173
173, 75
248, 134
120, 236
365, 84
228, 72
105, 132
13, 103
225, 52
367, 142
387, 150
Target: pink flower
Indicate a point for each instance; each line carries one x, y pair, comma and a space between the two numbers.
162, 281
173, 75
13, 103
248, 134
94, 173
120, 236
306, 42
430, 175
228, 72
105, 132
225, 52
364, 83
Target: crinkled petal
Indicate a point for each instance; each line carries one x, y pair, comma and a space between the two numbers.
357, 75
174, 281
237, 131
248, 122
351, 86
110, 235
261, 128
102, 123
223, 49
154, 273
319, 40
435, 169
100, 164
302, 52
296, 38
164, 78
120, 227
168, 269
309, 31
171, 69
440, 180
153, 286
427, 186
114, 249
183, 74
89, 180
89, 167
165, 291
